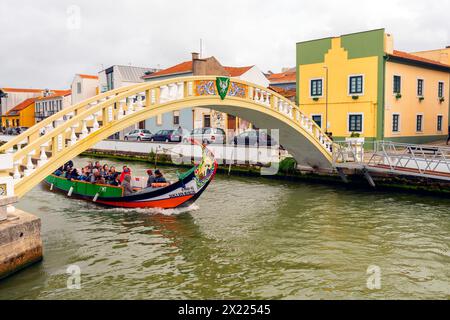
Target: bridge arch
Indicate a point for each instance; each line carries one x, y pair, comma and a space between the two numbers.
77, 128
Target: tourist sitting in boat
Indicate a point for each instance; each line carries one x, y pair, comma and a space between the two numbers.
159, 177
84, 176
112, 177
68, 165
105, 170
126, 185
150, 179
126, 171
59, 171
72, 174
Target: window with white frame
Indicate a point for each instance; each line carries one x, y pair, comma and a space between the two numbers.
356, 85
355, 122
78, 87
420, 87
317, 118
395, 123
316, 88
439, 122
419, 123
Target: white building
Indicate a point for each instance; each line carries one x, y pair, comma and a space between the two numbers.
84, 86
51, 103
118, 76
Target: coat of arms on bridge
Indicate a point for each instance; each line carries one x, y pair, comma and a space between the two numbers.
222, 84
222, 87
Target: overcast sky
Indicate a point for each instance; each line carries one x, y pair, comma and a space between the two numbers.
44, 43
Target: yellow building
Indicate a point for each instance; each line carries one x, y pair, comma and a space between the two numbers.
358, 83
21, 115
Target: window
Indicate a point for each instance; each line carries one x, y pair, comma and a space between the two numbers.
176, 117
355, 122
78, 87
420, 87
419, 123
109, 80
206, 121
440, 89
316, 88
317, 119
439, 123
159, 120
397, 84
395, 123
356, 85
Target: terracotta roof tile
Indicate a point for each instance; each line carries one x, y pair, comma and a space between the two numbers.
88, 76
283, 77
408, 56
183, 67
21, 90
237, 71
21, 106
56, 93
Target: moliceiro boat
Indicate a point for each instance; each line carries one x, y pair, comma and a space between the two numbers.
182, 193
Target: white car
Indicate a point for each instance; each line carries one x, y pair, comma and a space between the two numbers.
138, 135
208, 135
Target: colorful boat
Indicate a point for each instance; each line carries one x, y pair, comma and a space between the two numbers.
182, 193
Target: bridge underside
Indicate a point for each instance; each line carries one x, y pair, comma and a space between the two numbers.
299, 146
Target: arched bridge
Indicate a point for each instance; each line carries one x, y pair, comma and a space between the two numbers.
75, 129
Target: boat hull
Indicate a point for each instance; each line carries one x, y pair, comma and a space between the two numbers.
182, 193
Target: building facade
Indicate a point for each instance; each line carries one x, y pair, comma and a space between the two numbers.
51, 103
21, 115
190, 118
11, 97
358, 83
118, 76
84, 86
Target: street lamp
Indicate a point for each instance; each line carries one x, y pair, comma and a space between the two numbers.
326, 99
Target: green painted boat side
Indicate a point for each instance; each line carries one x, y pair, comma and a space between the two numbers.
84, 188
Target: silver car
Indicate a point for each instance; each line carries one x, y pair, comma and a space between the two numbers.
208, 135
138, 135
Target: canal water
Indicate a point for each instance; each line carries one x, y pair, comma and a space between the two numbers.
245, 238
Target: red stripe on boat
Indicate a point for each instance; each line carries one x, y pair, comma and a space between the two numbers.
163, 203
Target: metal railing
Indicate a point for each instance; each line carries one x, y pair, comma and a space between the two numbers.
428, 161
425, 159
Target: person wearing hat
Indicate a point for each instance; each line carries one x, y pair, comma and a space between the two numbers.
159, 178
150, 179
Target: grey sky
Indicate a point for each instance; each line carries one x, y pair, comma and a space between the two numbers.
43, 44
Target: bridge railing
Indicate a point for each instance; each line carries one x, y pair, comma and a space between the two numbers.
67, 128
56, 120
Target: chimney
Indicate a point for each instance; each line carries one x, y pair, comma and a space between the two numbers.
388, 44
195, 56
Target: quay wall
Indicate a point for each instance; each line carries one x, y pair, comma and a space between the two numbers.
20, 241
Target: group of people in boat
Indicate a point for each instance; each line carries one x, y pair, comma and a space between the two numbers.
104, 174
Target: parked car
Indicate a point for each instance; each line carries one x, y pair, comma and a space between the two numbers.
208, 135
254, 138
164, 135
138, 135
181, 135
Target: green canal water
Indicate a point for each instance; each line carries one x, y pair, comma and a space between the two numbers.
244, 238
